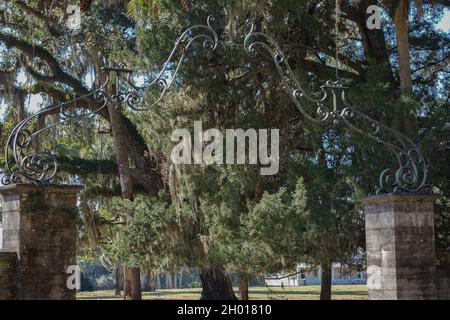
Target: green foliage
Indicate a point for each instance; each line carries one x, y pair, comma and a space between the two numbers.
229, 215
144, 6
146, 235
312, 223
94, 276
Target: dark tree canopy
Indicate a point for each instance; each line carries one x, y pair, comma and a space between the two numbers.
216, 218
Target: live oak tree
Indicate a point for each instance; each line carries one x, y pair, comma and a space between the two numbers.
368, 69
204, 221
315, 223
53, 76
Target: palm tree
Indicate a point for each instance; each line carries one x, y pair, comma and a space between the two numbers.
400, 13
399, 10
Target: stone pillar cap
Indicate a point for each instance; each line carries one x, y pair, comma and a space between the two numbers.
31, 187
8, 252
390, 197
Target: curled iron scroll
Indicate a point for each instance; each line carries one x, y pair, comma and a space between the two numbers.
24, 164
165, 77
411, 173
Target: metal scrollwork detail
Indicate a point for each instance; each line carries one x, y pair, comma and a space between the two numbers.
412, 168
25, 164
163, 80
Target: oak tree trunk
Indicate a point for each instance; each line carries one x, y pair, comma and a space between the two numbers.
215, 284
158, 280
132, 285
19, 109
243, 286
169, 282
325, 287
120, 146
175, 278
181, 279
374, 43
147, 282
127, 283
136, 292
118, 284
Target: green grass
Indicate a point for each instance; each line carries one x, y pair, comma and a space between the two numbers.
339, 292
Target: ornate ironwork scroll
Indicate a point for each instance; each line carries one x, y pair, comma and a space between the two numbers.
410, 176
24, 164
162, 80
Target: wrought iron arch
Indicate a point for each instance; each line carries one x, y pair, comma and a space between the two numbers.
412, 172
22, 164
409, 177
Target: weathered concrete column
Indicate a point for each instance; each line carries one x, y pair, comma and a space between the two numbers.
39, 225
400, 247
8, 275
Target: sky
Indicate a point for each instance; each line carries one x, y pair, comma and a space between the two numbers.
36, 100
445, 22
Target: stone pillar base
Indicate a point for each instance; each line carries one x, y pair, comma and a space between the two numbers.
8, 275
400, 247
39, 226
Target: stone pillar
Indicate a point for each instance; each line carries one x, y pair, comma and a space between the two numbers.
39, 225
400, 247
443, 282
8, 275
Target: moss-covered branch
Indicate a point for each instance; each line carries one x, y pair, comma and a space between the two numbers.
146, 172
109, 192
85, 166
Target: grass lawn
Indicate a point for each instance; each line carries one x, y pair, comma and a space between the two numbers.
339, 292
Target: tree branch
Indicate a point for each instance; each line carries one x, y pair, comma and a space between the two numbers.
38, 14
37, 51
114, 191
146, 172
85, 167
144, 178
433, 63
